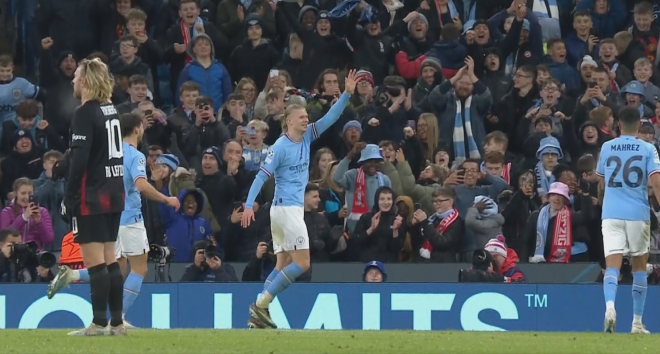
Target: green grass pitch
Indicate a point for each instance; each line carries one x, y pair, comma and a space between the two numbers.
320, 341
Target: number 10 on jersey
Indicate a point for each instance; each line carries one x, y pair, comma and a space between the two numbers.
115, 148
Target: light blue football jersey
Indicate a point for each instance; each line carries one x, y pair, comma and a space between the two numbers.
134, 168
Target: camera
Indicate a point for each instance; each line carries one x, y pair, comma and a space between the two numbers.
210, 251
27, 252
159, 253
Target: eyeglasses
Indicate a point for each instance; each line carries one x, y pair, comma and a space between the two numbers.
364, 83
438, 201
126, 46
550, 89
471, 170
520, 75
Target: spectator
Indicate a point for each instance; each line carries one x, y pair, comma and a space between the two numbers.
455, 98
360, 185
27, 118
553, 228
233, 166
232, 15
377, 232
248, 89
186, 226
49, 192
207, 267
24, 213
442, 231
549, 153
207, 131
128, 48
241, 242
318, 227
374, 272
183, 117
484, 220
180, 38
516, 213
332, 197
15, 89
320, 164
504, 260
256, 56
138, 90
203, 69
24, 161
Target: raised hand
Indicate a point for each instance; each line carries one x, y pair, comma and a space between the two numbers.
349, 82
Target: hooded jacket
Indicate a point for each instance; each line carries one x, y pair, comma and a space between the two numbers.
510, 268
40, 232
46, 139
214, 81
381, 244
183, 230
255, 62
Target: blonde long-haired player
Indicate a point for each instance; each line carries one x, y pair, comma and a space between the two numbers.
94, 195
288, 160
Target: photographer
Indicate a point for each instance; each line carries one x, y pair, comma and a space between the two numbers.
262, 263
206, 132
19, 262
481, 270
207, 265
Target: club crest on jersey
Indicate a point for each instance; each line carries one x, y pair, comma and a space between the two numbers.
300, 240
16, 94
201, 229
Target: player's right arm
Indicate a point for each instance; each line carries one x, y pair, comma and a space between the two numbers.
138, 171
266, 171
82, 134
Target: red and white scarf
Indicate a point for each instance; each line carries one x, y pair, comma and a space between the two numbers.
187, 36
427, 247
562, 240
360, 204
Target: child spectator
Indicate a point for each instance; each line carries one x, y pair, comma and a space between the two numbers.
138, 91
449, 51
254, 149
13, 89
128, 48
607, 16
484, 220
581, 42
211, 76
43, 136
183, 116
494, 78
275, 107
186, 226
234, 117
549, 153
645, 30
608, 54
603, 118
49, 193
542, 74
643, 71
559, 68
494, 164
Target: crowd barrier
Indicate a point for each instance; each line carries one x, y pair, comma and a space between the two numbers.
406, 306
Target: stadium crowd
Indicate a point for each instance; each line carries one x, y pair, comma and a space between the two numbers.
469, 116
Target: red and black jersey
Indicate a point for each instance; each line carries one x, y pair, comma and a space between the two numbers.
96, 162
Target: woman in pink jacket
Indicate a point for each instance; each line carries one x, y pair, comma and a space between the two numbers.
32, 221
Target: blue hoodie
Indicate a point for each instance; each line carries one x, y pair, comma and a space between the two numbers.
564, 73
450, 53
182, 230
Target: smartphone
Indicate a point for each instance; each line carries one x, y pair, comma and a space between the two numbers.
32, 199
461, 172
402, 143
411, 123
418, 206
252, 131
591, 85
148, 112
274, 73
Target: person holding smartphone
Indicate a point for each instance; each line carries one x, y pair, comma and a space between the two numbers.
25, 215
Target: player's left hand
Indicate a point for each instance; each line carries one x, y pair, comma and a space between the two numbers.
248, 218
349, 82
173, 202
